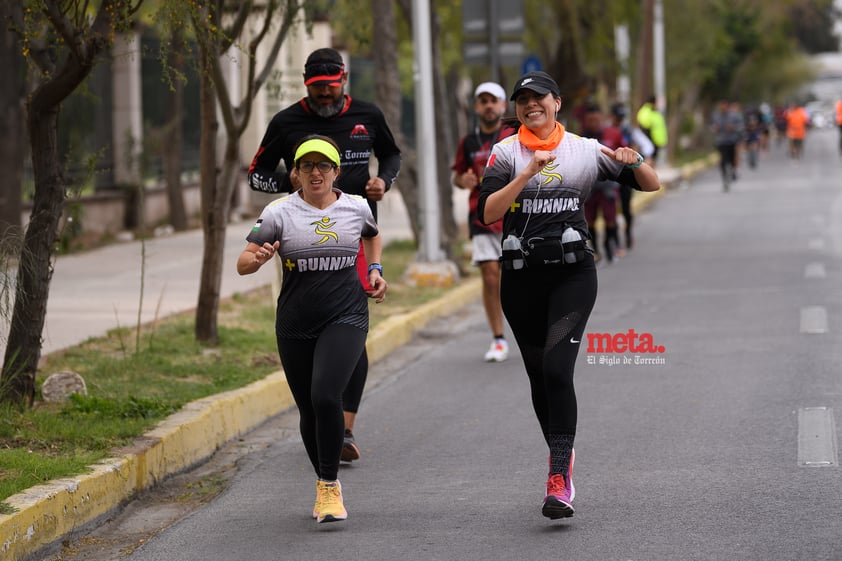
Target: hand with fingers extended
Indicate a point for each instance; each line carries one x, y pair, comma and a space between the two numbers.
624, 155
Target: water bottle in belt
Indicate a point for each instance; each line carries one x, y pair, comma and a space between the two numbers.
512, 244
573, 252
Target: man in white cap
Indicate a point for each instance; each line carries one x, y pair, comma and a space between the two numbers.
474, 149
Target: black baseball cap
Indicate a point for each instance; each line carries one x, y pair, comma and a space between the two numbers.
324, 66
538, 82
619, 110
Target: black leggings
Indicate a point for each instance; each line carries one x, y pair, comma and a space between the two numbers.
625, 201
317, 371
727, 155
547, 309
354, 392
840, 138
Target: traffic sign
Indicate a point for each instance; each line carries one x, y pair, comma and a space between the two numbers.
492, 32
531, 64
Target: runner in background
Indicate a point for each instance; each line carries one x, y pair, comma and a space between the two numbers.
489, 106
604, 192
727, 127
797, 121
637, 139
652, 122
839, 122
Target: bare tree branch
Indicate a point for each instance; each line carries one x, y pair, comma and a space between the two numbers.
236, 26
62, 24
290, 13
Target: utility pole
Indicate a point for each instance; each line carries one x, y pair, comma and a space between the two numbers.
659, 56
493, 41
431, 268
660, 64
621, 43
426, 131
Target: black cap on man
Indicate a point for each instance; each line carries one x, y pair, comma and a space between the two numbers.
324, 66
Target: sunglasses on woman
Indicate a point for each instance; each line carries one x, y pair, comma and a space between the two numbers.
324, 167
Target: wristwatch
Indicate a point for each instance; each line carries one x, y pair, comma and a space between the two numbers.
636, 164
377, 266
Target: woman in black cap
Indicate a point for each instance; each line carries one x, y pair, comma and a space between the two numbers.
537, 181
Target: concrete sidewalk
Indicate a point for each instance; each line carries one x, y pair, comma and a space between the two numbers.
99, 290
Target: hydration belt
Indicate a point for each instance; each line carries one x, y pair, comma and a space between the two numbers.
540, 252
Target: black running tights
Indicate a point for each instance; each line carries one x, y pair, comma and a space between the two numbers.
318, 371
625, 202
727, 155
354, 392
548, 309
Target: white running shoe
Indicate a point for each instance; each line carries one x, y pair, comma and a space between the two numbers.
498, 352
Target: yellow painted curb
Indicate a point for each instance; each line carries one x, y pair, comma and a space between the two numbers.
395, 331
46, 513
50, 512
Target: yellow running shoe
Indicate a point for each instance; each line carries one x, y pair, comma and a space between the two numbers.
329, 506
318, 504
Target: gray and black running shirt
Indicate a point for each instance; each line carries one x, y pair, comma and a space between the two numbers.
318, 252
555, 196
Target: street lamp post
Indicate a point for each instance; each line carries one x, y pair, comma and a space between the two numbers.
425, 131
659, 62
431, 268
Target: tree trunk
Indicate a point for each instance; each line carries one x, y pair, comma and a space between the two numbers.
173, 151
215, 222
35, 269
11, 145
688, 105
213, 219
388, 97
567, 65
445, 148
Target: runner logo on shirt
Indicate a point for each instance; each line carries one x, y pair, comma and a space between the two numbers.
359, 132
322, 229
547, 173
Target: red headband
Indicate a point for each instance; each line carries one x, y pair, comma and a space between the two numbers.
330, 73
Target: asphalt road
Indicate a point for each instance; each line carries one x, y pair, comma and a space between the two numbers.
725, 449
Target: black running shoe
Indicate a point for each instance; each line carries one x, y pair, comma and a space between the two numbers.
350, 452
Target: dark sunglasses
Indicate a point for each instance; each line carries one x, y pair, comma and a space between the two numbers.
324, 167
323, 69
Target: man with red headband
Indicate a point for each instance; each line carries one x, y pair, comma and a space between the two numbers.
360, 130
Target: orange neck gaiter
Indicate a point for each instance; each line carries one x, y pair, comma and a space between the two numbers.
528, 138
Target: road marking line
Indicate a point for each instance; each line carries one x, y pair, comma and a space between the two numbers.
814, 320
817, 437
815, 271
